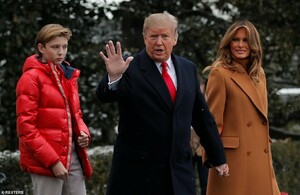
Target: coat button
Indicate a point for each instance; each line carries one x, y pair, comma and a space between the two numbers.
248, 152
266, 150
249, 124
264, 122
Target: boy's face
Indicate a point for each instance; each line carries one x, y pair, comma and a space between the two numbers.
55, 50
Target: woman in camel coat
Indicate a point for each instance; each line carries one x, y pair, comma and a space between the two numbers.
237, 97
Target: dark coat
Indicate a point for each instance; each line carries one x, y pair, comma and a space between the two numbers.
152, 154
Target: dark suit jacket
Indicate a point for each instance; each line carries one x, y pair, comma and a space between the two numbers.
152, 154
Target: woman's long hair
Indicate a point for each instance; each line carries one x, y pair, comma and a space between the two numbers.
225, 59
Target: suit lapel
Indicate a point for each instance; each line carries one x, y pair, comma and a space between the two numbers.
153, 76
180, 79
253, 92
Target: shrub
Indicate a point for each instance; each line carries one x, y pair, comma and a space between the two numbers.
101, 161
286, 161
12, 178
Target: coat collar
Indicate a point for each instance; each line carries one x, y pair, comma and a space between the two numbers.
153, 76
33, 62
254, 92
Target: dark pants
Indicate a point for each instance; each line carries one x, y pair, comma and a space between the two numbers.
202, 173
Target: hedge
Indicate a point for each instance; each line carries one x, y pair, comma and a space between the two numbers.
286, 161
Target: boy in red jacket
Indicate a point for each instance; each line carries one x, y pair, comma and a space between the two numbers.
52, 134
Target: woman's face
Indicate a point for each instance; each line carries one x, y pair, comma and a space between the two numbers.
239, 46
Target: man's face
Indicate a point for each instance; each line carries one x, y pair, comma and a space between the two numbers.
159, 41
55, 50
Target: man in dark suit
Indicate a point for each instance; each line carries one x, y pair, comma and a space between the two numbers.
152, 154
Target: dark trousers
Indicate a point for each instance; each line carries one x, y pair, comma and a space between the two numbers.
202, 173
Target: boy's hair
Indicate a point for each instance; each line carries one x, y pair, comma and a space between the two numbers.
50, 31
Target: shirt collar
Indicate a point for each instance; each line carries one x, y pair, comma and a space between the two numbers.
169, 62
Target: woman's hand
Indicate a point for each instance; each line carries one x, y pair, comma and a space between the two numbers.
223, 170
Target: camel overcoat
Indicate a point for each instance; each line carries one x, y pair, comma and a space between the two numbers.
240, 109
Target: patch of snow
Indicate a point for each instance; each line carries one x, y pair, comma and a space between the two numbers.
100, 150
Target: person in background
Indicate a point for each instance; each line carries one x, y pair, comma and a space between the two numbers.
152, 154
52, 135
237, 97
202, 171
197, 150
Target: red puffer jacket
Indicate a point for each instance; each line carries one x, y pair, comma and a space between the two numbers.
49, 117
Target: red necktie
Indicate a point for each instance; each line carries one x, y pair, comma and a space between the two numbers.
168, 81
